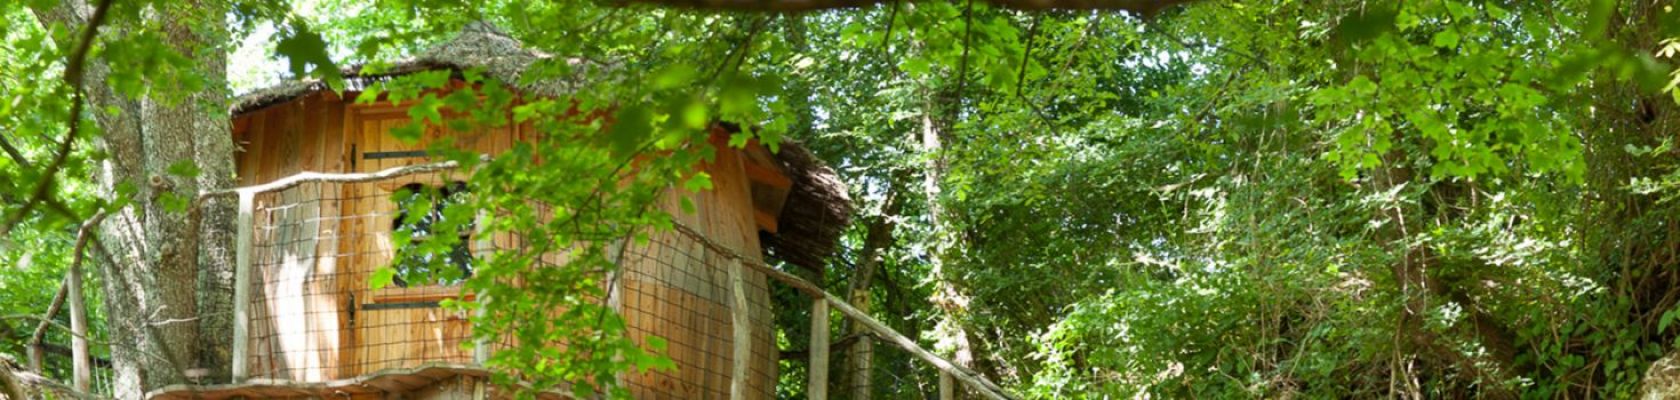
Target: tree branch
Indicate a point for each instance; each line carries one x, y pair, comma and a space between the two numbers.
40, 334
73, 77
962, 65
1140, 7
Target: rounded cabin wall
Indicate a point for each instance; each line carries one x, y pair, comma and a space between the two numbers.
678, 290
315, 267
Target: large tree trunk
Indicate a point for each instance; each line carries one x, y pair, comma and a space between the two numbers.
948, 296
167, 286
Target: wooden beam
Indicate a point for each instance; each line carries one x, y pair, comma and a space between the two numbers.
242, 287
765, 221
762, 174
817, 388
742, 325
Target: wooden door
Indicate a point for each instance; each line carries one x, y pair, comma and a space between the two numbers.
397, 327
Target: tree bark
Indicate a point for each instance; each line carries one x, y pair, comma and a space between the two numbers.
166, 290
860, 357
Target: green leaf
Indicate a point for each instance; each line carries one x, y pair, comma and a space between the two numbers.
304, 48
174, 203
409, 133
427, 109
184, 169
381, 278
1445, 39
1371, 22
698, 182
633, 127
695, 115
687, 205
1667, 317
674, 76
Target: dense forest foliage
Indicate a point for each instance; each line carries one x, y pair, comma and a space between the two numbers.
1330, 199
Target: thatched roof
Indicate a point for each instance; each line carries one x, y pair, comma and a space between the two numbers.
815, 214
478, 45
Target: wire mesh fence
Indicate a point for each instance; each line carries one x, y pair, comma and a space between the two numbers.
677, 289
314, 316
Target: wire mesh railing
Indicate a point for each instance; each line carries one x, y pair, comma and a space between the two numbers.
305, 311
311, 247
312, 314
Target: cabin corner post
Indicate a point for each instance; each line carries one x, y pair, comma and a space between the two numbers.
242, 287
817, 388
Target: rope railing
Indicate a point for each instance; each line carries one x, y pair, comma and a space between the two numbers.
822, 300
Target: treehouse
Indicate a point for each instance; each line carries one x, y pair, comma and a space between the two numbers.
308, 324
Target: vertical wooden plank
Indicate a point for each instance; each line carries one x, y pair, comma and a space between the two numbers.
742, 324
83, 371
817, 388
242, 288
350, 282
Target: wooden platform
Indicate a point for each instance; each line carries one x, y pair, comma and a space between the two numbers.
431, 380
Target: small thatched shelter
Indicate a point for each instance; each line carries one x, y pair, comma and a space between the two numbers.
315, 329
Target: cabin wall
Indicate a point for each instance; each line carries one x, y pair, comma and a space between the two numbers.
314, 246
398, 327
297, 331
302, 135
677, 290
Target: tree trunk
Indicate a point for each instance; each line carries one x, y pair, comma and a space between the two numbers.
166, 283
947, 296
860, 357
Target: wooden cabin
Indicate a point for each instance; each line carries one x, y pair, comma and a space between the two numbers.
313, 328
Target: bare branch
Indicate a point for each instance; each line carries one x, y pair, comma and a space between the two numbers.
307, 177
22, 378
41, 330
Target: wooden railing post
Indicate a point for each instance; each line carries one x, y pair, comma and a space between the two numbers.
487, 246
742, 323
817, 388
947, 386
82, 370
946, 367
242, 287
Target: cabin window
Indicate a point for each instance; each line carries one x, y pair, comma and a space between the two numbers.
425, 214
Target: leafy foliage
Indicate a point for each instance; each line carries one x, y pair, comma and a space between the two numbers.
1259, 199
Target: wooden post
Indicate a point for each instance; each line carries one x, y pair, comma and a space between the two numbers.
742, 324
817, 388
82, 370
242, 287
487, 246
990, 391
947, 386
